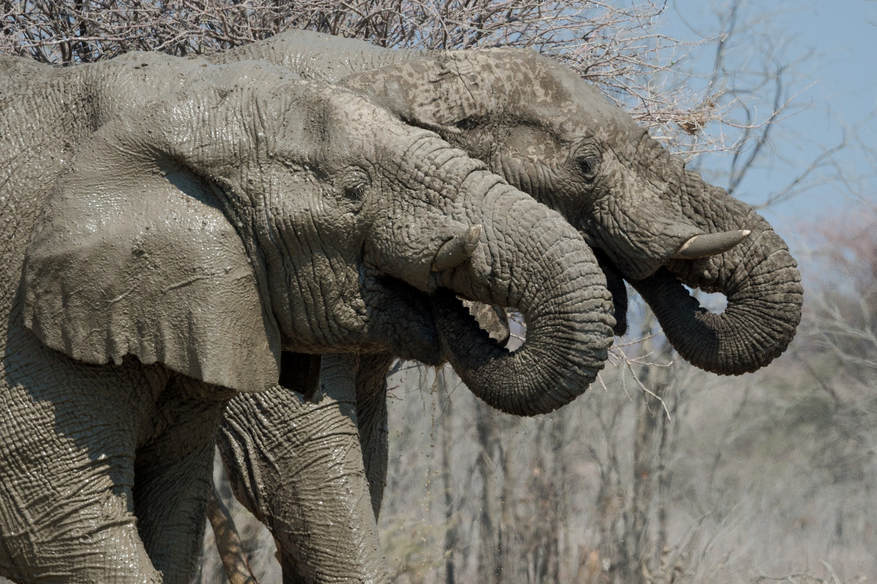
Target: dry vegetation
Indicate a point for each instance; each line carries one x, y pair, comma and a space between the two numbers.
661, 473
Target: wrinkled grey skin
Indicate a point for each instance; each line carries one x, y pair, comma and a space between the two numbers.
552, 135
173, 231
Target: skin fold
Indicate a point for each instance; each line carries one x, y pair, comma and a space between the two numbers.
177, 232
552, 135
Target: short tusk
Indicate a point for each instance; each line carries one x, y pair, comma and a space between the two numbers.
710, 244
457, 250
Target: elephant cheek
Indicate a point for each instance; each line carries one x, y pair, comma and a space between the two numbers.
321, 307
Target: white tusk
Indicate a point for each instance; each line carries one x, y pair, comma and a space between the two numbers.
457, 250
710, 244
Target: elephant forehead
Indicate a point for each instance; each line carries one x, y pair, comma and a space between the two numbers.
623, 180
357, 116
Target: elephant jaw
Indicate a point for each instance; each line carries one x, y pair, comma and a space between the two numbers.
395, 317
696, 247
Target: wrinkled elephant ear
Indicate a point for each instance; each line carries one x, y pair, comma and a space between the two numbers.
132, 256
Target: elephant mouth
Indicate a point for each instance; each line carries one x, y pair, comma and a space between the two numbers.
492, 319
687, 252
401, 319
475, 325
404, 317
407, 320
616, 283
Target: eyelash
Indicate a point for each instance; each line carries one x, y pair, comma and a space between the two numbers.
355, 193
588, 164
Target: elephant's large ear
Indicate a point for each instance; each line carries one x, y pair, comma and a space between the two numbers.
132, 256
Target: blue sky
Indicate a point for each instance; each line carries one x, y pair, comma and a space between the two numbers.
833, 44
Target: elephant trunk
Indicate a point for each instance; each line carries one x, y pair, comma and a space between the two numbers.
538, 264
762, 285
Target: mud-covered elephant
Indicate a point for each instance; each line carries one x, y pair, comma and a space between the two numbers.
176, 232
652, 223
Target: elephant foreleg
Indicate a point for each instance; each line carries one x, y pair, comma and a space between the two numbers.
67, 471
298, 467
174, 476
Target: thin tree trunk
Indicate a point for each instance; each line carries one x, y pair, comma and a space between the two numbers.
558, 493
637, 537
543, 489
450, 521
649, 436
488, 551
507, 528
664, 479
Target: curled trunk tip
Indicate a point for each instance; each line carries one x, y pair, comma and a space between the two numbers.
551, 276
763, 288
553, 367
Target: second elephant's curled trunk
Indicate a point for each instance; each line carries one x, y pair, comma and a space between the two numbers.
553, 279
763, 287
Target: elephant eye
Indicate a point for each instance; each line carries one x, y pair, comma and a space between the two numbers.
355, 193
588, 165
354, 185
468, 123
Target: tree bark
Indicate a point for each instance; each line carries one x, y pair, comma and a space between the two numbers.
489, 545
450, 520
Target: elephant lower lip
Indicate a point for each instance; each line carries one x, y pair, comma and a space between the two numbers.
617, 288
401, 316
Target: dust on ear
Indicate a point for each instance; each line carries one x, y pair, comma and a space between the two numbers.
133, 260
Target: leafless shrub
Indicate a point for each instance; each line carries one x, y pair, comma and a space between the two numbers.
605, 41
616, 46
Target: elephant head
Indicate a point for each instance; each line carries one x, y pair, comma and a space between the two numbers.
550, 134
654, 223
241, 214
